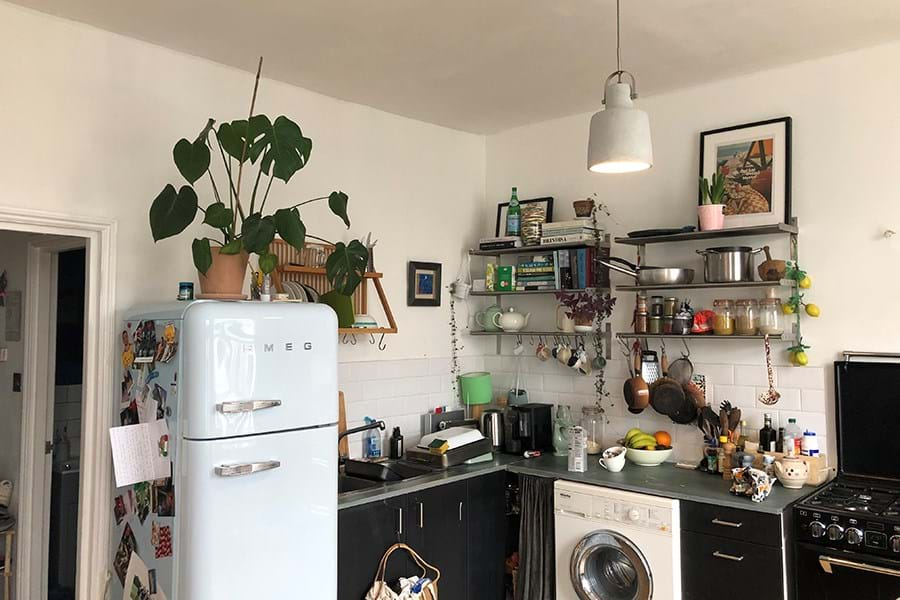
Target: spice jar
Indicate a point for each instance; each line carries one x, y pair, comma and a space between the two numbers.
640, 303
769, 320
656, 306
592, 422
723, 324
640, 322
746, 317
654, 325
668, 325
669, 305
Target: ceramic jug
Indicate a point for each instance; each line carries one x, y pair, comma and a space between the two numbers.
485, 318
563, 321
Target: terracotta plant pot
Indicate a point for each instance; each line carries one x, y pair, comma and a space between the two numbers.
583, 207
225, 278
584, 325
712, 216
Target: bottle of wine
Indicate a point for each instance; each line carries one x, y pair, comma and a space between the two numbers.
768, 437
514, 215
779, 441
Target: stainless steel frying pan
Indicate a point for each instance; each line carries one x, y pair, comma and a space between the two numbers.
650, 275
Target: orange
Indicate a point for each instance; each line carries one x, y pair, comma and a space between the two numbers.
663, 438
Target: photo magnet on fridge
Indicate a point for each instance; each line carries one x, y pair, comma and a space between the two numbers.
127, 546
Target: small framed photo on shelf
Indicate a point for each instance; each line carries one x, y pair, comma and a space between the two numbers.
503, 207
423, 284
755, 159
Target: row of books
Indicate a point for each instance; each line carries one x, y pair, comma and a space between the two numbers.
561, 269
578, 231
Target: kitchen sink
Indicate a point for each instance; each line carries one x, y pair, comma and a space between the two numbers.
346, 483
386, 470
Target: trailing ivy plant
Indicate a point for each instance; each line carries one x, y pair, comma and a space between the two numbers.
276, 149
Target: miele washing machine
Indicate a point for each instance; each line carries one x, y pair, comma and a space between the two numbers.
615, 545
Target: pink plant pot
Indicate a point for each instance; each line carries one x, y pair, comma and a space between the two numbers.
712, 216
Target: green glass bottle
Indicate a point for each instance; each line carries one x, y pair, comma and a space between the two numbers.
514, 215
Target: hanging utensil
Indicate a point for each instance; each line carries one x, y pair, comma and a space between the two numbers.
636, 390
682, 369
770, 396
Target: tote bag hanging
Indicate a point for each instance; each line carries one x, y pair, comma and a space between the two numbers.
381, 591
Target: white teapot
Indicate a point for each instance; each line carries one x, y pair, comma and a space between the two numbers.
792, 472
510, 320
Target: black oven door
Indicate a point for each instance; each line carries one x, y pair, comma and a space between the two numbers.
827, 574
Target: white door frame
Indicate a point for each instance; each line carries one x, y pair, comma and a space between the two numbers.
97, 413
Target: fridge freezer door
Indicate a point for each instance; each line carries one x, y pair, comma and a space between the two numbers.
254, 367
258, 517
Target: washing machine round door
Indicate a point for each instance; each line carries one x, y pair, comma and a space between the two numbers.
606, 565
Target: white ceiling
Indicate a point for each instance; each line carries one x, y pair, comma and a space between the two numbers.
488, 65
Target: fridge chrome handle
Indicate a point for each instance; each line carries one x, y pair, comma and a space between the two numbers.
827, 562
230, 408
240, 469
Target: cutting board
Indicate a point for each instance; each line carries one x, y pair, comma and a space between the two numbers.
344, 444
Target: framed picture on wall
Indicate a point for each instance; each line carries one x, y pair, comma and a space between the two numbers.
423, 284
502, 208
755, 159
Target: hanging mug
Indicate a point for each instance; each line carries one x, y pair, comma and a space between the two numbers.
542, 352
461, 289
564, 354
563, 321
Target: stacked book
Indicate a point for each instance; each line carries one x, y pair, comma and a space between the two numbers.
569, 232
537, 272
500, 243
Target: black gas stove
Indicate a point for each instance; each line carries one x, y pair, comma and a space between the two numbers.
848, 533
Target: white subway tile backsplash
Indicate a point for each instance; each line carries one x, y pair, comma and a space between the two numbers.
739, 395
755, 375
807, 378
789, 400
716, 374
558, 383
813, 401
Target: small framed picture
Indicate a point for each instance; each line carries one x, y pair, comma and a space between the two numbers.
423, 284
502, 208
755, 159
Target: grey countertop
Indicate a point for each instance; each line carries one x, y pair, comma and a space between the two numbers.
665, 480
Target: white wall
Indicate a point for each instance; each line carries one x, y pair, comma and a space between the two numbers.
846, 126
12, 259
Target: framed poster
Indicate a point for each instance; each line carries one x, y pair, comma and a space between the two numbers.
755, 159
423, 284
503, 207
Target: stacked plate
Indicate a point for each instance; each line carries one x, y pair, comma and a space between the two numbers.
300, 292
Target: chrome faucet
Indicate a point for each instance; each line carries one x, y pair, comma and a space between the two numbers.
375, 425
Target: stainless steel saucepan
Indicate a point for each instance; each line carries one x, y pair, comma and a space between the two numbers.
650, 275
728, 264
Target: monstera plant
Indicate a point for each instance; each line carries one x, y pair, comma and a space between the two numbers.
266, 150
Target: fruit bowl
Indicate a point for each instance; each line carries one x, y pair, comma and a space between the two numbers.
648, 458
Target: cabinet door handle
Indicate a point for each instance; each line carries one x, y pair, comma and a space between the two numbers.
421, 515
727, 523
400, 523
718, 554
460, 512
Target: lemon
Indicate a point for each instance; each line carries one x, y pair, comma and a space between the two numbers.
812, 310
800, 359
787, 309
806, 282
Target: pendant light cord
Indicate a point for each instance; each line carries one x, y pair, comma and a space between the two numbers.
618, 44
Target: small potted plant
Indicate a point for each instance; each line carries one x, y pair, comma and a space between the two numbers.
273, 149
586, 307
712, 203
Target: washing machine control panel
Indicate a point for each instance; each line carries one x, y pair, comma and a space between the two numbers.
634, 514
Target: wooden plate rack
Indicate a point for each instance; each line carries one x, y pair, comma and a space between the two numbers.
307, 266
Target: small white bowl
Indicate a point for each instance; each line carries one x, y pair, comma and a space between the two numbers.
648, 458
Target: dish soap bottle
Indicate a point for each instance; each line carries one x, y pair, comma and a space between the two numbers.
372, 448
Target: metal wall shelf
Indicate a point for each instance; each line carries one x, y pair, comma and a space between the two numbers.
542, 248
529, 292
778, 228
705, 336
704, 286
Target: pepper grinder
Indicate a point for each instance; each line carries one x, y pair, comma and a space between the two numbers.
396, 444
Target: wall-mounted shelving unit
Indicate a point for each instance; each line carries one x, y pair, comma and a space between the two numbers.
605, 332
790, 229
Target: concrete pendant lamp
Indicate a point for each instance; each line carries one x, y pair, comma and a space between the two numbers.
619, 140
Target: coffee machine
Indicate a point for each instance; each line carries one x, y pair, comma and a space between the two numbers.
528, 427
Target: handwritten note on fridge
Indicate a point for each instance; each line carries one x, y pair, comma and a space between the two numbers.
140, 452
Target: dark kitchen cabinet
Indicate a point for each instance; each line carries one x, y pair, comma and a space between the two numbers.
438, 533
364, 534
459, 527
731, 552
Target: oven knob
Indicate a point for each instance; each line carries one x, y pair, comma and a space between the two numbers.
816, 529
895, 543
835, 532
854, 536
634, 514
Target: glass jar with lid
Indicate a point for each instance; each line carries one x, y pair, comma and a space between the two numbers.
770, 320
746, 315
592, 421
723, 324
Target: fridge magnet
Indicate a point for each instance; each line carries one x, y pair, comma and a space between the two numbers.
152, 581
160, 395
142, 494
127, 547
423, 284
127, 384
129, 415
145, 342
119, 509
168, 345
127, 351
146, 405
755, 159
130, 505
165, 499
137, 579
164, 549
154, 534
